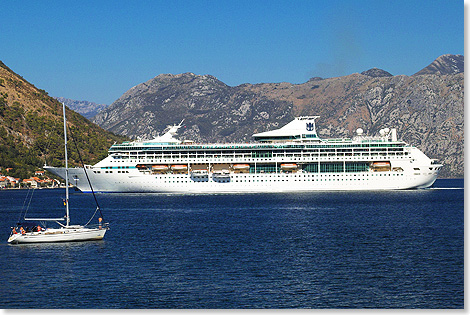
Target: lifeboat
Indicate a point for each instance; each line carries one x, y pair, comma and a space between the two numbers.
241, 166
159, 167
289, 166
200, 173
381, 164
141, 167
179, 167
221, 174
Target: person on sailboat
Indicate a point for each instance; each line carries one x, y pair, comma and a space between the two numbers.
22, 230
14, 230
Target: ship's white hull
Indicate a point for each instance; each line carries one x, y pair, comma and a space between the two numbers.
58, 235
134, 181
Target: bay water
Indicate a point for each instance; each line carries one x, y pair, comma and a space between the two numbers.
376, 249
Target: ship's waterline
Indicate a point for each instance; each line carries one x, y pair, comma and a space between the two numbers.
292, 158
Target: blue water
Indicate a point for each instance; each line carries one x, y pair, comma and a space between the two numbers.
394, 249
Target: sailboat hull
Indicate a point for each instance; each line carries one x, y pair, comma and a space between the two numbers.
58, 235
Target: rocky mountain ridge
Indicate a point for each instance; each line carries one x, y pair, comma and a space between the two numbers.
85, 108
377, 73
427, 109
445, 64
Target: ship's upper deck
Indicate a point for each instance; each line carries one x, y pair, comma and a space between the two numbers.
298, 134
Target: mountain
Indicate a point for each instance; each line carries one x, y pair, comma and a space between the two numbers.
445, 64
427, 110
212, 110
377, 73
31, 129
84, 108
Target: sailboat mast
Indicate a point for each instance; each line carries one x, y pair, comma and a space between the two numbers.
67, 216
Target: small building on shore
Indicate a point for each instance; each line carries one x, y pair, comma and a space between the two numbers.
39, 173
33, 182
9, 182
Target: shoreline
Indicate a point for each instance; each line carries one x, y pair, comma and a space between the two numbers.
71, 186
40, 188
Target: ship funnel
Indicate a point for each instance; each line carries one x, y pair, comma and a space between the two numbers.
394, 134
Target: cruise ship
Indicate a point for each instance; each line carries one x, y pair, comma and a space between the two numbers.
289, 159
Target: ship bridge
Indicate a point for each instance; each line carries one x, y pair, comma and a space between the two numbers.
300, 129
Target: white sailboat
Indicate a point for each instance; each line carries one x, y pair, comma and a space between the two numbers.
35, 233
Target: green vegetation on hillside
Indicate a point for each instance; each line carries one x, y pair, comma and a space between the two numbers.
29, 139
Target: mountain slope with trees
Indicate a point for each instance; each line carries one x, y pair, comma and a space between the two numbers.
31, 129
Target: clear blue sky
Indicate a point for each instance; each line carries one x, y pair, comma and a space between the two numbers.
97, 50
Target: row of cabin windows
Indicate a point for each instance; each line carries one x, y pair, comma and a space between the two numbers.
264, 153
281, 180
115, 148
265, 156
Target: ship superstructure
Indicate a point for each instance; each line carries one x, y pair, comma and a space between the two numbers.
291, 158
